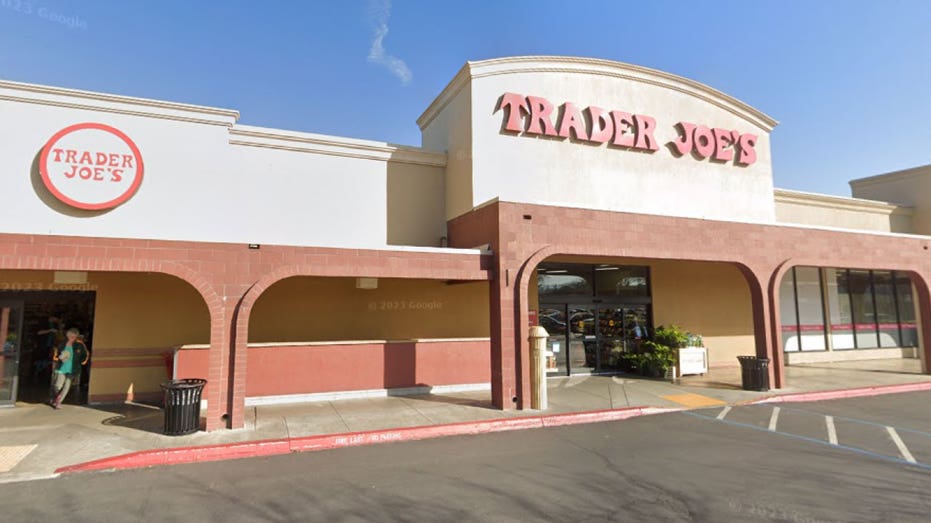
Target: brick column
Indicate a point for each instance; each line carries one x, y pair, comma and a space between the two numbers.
920, 281
239, 345
521, 283
226, 380
499, 383
505, 361
218, 373
763, 303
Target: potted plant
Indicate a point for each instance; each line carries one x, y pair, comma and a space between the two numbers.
658, 355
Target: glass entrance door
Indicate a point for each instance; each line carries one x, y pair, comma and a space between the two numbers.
636, 326
610, 337
592, 338
553, 319
11, 327
621, 329
583, 339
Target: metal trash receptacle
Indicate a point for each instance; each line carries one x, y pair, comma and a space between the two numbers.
182, 406
754, 373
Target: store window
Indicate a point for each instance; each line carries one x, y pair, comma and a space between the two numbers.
867, 309
627, 282
905, 305
801, 309
788, 315
565, 280
864, 309
838, 300
810, 308
887, 317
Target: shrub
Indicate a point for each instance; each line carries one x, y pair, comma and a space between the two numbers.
659, 355
671, 336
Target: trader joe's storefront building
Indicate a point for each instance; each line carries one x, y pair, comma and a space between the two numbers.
595, 198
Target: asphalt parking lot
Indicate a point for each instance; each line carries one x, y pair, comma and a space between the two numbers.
685, 466
895, 428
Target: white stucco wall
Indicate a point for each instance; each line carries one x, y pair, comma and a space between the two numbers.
562, 172
207, 179
451, 132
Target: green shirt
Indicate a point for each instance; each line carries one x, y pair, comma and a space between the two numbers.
66, 363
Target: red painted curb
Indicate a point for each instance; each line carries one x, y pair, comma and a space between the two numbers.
598, 416
355, 439
249, 449
846, 393
272, 447
180, 455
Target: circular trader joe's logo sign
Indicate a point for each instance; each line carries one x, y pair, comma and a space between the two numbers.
91, 166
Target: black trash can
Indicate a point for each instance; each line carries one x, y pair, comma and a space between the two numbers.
754, 373
182, 406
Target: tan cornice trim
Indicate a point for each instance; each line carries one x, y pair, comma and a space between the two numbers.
44, 95
102, 109
462, 79
840, 203
333, 146
893, 176
576, 65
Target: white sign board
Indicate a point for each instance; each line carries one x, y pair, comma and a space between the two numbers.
693, 360
91, 166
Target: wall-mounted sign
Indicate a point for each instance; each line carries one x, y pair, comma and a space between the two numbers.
533, 115
91, 166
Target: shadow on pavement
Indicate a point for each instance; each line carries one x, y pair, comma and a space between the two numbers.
138, 416
451, 400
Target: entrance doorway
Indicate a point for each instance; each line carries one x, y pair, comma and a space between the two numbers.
590, 338
593, 314
32, 324
11, 326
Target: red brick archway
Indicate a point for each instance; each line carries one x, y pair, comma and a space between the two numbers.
230, 277
51, 253
521, 235
394, 264
757, 282
917, 278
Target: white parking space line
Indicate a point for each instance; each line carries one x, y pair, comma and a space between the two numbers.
906, 455
774, 419
832, 431
724, 412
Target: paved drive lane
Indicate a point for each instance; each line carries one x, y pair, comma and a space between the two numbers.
671, 467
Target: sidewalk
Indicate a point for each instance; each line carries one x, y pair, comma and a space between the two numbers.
35, 440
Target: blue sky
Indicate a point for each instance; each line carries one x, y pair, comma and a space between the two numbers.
849, 81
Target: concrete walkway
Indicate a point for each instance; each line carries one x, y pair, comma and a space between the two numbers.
36, 440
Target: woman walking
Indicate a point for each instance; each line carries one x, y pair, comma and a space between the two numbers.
64, 360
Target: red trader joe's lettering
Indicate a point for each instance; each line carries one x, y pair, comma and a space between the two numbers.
540, 111
534, 115
91, 165
719, 144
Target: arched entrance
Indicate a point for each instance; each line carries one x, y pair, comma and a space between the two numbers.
313, 337
597, 309
129, 321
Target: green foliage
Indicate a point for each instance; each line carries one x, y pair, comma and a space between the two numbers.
617, 357
653, 360
659, 355
671, 336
